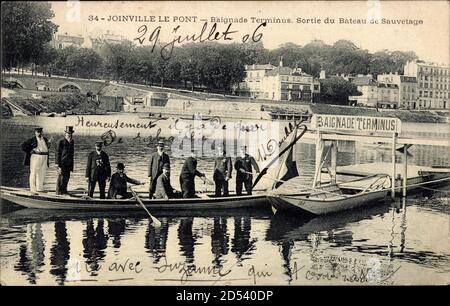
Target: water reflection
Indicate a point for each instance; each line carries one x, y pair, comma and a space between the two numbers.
116, 228
219, 240
31, 262
186, 239
156, 239
60, 253
241, 244
94, 245
286, 254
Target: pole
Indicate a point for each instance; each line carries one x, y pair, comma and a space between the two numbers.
334, 151
156, 223
405, 168
394, 142
319, 149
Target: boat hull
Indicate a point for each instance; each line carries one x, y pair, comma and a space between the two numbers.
45, 201
326, 206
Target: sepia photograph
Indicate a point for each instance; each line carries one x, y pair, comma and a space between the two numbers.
225, 143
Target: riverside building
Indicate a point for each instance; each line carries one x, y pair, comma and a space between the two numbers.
279, 83
433, 84
407, 89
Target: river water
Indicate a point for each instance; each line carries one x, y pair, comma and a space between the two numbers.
404, 242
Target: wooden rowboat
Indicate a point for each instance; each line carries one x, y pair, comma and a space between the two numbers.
78, 202
326, 199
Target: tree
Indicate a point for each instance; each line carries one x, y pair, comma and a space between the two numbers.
336, 90
253, 53
83, 62
47, 57
116, 59
26, 30
189, 69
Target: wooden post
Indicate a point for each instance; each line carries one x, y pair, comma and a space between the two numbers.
405, 168
319, 149
334, 151
394, 142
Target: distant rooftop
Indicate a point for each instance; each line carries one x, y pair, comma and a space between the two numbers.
260, 67
383, 85
364, 81
280, 71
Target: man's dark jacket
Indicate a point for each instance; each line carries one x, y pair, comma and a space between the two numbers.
163, 188
98, 172
156, 163
29, 145
64, 154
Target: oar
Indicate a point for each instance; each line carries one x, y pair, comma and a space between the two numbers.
155, 222
206, 180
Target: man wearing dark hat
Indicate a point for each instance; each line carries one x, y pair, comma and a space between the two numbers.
244, 169
187, 176
155, 166
64, 160
118, 185
164, 189
222, 172
36, 156
98, 170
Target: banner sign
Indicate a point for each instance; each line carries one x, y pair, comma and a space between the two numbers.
356, 123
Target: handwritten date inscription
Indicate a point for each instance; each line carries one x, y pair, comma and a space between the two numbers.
204, 35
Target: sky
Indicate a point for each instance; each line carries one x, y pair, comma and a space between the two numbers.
429, 40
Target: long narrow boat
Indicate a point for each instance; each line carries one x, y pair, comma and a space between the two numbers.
326, 199
77, 201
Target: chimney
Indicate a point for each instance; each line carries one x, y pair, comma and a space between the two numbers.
322, 74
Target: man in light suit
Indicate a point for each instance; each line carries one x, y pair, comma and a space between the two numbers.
36, 156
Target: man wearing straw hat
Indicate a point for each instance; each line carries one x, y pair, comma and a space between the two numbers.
64, 160
36, 156
155, 166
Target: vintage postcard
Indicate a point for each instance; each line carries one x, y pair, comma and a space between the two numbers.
212, 143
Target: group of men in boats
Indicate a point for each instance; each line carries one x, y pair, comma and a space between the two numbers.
98, 170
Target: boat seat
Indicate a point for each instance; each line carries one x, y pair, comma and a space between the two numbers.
326, 191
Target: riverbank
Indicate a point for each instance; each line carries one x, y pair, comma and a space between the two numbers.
112, 98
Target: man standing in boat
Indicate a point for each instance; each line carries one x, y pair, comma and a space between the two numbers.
64, 160
244, 168
98, 170
187, 176
118, 185
164, 189
222, 172
36, 156
155, 166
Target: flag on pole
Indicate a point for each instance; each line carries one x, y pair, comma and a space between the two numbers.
288, 168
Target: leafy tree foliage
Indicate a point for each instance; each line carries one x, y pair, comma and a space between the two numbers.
26, 31
336, 90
